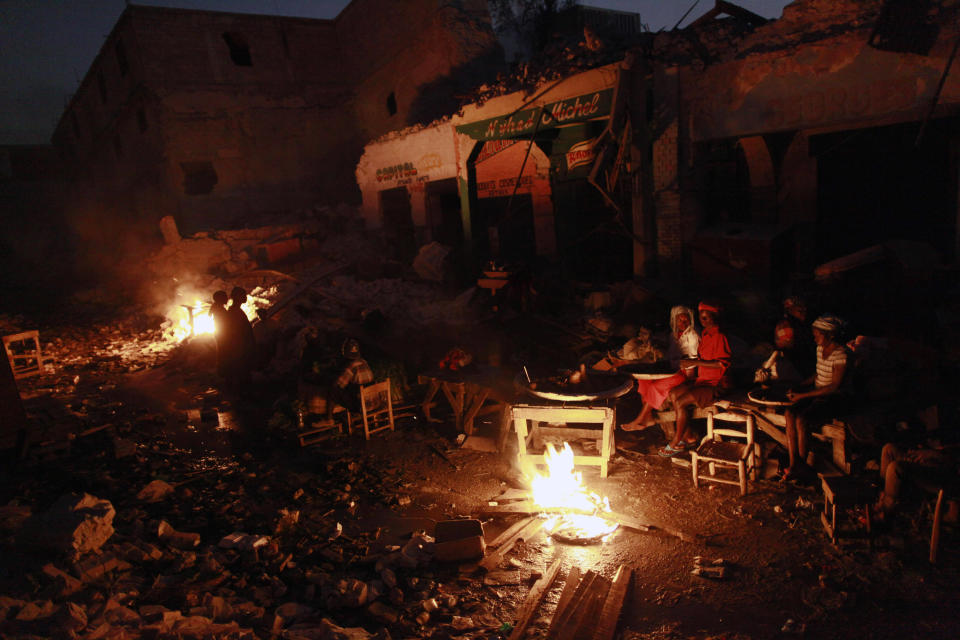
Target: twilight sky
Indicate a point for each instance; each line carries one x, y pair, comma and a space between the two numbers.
46, 46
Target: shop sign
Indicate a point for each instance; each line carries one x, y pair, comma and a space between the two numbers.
503, 187
580, 154
588, 106
396, 171
405, 173
492, 148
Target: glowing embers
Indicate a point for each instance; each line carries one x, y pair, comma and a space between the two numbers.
580, 519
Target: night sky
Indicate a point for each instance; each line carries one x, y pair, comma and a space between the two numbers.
46, 46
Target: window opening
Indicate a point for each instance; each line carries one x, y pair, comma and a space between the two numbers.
198, 178
239, 49
392, 103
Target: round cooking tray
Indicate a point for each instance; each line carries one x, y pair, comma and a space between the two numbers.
758, 396
619, 385
647, 370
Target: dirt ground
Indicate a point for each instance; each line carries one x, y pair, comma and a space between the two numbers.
243, 471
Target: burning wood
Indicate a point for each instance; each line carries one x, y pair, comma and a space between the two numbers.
190, 314
582, 512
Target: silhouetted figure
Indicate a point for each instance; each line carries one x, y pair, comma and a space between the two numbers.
218, 311
242, 344
802, 351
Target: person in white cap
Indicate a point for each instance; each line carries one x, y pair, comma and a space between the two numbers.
816, 405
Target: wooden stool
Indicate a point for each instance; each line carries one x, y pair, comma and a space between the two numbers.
851, 494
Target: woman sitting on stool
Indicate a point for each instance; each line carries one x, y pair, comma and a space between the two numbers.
713, 359
684, 342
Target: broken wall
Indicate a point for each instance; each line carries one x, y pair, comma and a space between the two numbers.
812, 72
410, 58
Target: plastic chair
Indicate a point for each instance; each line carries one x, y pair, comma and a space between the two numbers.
741, 456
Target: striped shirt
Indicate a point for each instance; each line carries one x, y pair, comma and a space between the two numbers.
357, 372
827, 366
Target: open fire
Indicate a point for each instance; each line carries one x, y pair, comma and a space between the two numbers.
581, 512
190, 315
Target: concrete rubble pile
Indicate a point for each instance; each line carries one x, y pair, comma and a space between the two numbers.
174, 547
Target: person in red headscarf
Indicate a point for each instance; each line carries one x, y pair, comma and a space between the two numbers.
712, 361
684, 343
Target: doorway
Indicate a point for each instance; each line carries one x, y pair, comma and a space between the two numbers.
398, 229
506, 236
875, 185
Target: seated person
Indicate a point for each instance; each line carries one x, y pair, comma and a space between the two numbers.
779, 367
346, 389
815, 406
802, 351
640, 348
684, 342
712, 361
929, 469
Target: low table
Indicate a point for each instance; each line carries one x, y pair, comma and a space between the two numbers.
566, 414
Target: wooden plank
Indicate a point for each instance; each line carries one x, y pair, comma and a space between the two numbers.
506, 421
569, 588
513, 494
493, 560
935, 533
581, 610
567, 414
590, 460
561, 618
569, 434
509, 533
591, 613
633, 523
607, 622
534, 598
517, 507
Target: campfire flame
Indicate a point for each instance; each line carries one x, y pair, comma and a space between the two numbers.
562, 488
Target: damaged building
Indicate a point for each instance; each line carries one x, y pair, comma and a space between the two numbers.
655, 337
224, 120
734, 150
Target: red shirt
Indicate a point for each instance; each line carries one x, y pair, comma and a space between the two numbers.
713, 346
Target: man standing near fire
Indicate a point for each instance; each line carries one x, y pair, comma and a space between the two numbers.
221, 330
241, 342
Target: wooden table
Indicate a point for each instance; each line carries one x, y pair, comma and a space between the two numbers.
543, 417
467, 391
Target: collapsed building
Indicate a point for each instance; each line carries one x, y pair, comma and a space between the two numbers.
221, 119
735, 150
